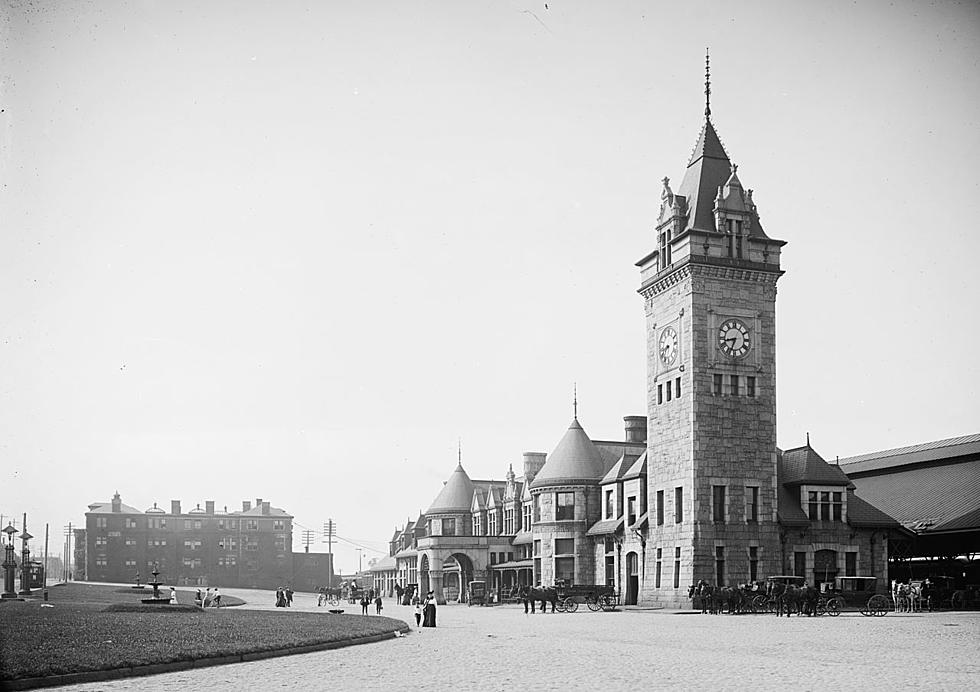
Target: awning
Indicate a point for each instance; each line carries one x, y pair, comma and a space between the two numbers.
606, 527
523, 538
514, 564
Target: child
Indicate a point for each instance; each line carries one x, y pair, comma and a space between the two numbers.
418, 614
377, 604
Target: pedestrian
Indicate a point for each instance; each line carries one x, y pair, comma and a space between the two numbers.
199, 598
289, 597
173, 596
377, 604
207, 598
418, 614
429, 611
364, 604
280, 597
216, 598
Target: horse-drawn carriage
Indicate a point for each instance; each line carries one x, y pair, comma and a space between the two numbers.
478, 593
596, 596
855, 593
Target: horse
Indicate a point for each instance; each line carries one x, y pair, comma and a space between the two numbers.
545, 594
707, 594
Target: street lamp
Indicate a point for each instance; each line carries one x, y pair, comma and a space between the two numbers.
9, 563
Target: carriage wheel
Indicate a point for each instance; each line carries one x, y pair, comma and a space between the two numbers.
333, 600
821, 608
760, 604
593, 602
559, 605
834, 607
570, 605
878, 605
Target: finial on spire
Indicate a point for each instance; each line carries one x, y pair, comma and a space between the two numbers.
575, 400
459, 450
808, 439
707, 84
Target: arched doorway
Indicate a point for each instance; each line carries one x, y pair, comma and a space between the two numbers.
824, 567
632, 578
423, 575
457, 573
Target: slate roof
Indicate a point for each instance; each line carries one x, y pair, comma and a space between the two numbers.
804, 465
638, 467
788, 510
611, 452
707, 170
106, 508
456, 495
862, 513
257, 512
575, 459
913, 454
606, 527
523, 538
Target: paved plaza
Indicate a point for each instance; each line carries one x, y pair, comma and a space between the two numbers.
502, 648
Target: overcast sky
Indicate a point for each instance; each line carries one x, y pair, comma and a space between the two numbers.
298, 250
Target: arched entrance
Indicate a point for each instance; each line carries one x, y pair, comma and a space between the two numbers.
824, 567
632, 578
457, 573
423, 575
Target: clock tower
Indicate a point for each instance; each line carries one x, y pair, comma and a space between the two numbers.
709, 292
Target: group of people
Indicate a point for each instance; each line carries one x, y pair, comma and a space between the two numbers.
205, 599
425, 611
284, 597
366, 601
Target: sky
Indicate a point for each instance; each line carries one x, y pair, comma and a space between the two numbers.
315, 252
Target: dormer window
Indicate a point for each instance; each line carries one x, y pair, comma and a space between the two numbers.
825, 505
665, 247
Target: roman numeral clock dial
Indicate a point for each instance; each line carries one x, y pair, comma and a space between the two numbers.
734, 339
668, 346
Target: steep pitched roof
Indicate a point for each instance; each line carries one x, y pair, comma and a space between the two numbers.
456, 495
707, 170
638, 467
913, 454
575, 459
804, 465
788, 510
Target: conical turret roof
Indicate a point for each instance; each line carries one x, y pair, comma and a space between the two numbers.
708, 170
456, 495
575, 459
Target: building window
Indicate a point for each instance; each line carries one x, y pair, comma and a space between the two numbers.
491, 523
448, 527
100, 541
537, 549
510, 557
252, 525
278, 525
752, 504
101, 562
719, 565
677, 388
537, 507
477, 528
799, 564
131, 563
677, 567
837, 505
564, 506
101, 523
850, 564
718, 504
750, 386
668, 390
733, 385
813, 506
526, 507
659, 567
678, 505
493, 558
188, 524
609, 505
716, 384
565, 569
660, 394
564, 546
610, 570
130, 523
660, 508
631, 510
753, 563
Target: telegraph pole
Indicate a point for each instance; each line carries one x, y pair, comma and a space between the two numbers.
68, 574
307, 539
329, 532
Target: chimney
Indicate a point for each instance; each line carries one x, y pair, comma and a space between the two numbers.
246, 505
116, 503
175, 506
265, 508
533, 461
209, 506
636, 428
258, 502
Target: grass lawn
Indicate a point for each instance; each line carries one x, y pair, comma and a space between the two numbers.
78, 635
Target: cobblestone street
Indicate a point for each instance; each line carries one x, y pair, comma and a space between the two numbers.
502, 648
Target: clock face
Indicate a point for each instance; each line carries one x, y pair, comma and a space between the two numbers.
668, 345
734, 339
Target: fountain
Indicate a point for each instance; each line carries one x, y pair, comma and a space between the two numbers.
157, 599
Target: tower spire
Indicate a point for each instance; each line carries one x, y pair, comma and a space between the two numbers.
575, 400
707, 85
459, 450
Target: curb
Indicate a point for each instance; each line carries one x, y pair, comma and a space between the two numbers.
175, 666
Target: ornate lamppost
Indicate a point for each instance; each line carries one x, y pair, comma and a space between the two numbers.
25, 562
9, 563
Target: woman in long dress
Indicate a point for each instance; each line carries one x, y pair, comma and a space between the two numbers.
429, 611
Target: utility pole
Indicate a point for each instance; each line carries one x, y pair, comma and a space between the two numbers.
68, 573
307, 539
45, 584
329, 532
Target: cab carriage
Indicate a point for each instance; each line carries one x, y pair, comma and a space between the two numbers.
855, 593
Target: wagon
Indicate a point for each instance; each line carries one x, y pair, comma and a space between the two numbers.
856, 593
477, 593
596, 596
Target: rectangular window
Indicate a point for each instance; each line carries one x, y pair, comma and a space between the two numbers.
677, 388
850, 564
812, 503
527, 516
252, 525
476, 525
448, 527
677, 567
101, 523
100, 541
609, 505
824, 506
750, 386
537, 507
752, 507
678, 504
510, 557
733, 385
493, 558
719, 565
197, 524
537, 548
799, 564
753, 563
491, 523
610, 545
130, 523
610, 570
278, 525
657, 576
838, 505
565, 569
564, 546
660, 508
668, 390
130, 541
716, 384
718, 504
631, 510
660, 394
564, 506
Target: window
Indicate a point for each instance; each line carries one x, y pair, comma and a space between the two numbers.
799, 564
278, 525
537, 507
491, 523
192, 545
100, 541
668, 390
678, 504
659, 567
188, 524
677, 567
537, 548
719, 565
631, 510
510, 557
850, 564
837, 505
716, 384
130, 523
448, 527
527, 516
610, 570
158, 523
609, 505
197, 524
493, 558
733, 385
665, 248
660, 508
718, 504
660, 394
101, 562
564, 506
565, 569
564, 546
435, 527
508, 521
233, 524
677, 388
749, 386
131, 563
812, 502
610, 545
824, 506
130, 541
280, 542
753, 563
477, 528
752, 504
101, 522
